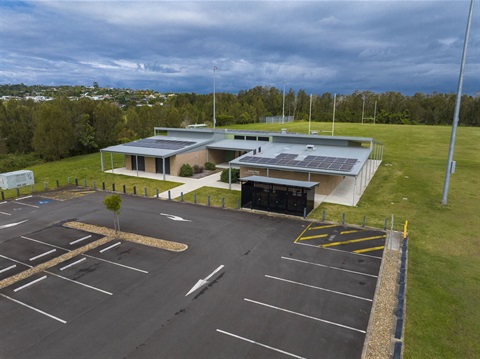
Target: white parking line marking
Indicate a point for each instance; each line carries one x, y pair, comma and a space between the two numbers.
110, 247
43, 254
260, 344
319, 288
3, 202
80, 283
12, 224
330, 267
47, 244
79, 240
72, 264
14, 260
29, 284
5, 213
7, 268
117, 264
29, 205
19, 199
33, 308
305, 316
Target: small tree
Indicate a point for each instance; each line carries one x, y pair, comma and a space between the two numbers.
112, 203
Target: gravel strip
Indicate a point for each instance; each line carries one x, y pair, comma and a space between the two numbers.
382, 320
130, 237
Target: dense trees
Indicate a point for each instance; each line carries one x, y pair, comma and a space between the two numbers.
64, 127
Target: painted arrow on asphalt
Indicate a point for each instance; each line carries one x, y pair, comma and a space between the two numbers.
12, 224
175, 218
202, 282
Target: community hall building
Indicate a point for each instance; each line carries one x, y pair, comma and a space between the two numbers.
279, 171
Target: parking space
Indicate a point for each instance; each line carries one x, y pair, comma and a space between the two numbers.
22, 205
248, 292
358, 240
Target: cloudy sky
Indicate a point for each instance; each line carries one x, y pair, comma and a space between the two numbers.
172, 46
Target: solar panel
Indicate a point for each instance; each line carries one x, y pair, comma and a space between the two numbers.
346, 167
334, 166
286, 155
272, 161
282, 162
310, 158
246, 159
263, 160
340, 160
160, 144
292, 163
330, 159
351, 160
323, 165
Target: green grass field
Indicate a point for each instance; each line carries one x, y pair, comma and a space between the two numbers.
443, 289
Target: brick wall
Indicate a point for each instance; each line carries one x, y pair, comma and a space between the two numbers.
192, 158
128, 162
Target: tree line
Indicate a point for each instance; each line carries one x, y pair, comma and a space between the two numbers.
64, 127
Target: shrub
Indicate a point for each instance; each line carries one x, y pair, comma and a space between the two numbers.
235, 175
209, 166
197, 169
186, 170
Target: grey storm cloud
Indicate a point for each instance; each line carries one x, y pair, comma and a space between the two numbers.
319, 46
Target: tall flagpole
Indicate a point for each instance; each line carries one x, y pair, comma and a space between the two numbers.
214, 117
310, 115
456, 111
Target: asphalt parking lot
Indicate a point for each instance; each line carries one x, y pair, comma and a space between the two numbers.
248, 286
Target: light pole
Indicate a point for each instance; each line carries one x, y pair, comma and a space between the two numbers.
363, 107
283, 105
214, 118
375, 112
310, 114
450, 167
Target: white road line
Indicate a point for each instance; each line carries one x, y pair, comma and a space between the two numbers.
47, 244
29, 205
305, 316
330, 267
260, 344
72, 264
110, 247
43, 254
19, 199
80, 283
14, 260
81, 239
117, 264
5, 213
7, 268
33, 308
3, 202
319, 288
29, 284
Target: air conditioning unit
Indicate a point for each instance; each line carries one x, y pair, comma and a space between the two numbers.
310, 147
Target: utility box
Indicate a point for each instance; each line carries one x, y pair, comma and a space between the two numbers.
16, 179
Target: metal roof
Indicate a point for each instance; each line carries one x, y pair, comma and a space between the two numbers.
239, 145
280, 181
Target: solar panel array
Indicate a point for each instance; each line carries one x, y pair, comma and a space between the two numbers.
160, 144
313, 162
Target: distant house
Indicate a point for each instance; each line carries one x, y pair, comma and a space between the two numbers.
269, 160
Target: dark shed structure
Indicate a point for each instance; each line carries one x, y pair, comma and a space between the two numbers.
278, 195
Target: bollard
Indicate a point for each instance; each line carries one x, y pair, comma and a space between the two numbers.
58, 185
85, 183
18, 192
113, 187
3, 196
304, 212
134, 189
124, 189
323, 215
181, 196
103, 186
31, 188
158, 194
223, 202
385, 225
194, 198
68, 181
94, 184
169, 195
343, 219
364, 221
237, 204
76, 181
145, 190
44, 186
208, 200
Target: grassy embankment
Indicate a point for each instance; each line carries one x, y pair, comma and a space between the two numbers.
443, 310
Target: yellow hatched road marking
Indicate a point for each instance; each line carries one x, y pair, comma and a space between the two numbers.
352, 241
368, 249
301, 234
326, 226
352, 231
312, 237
